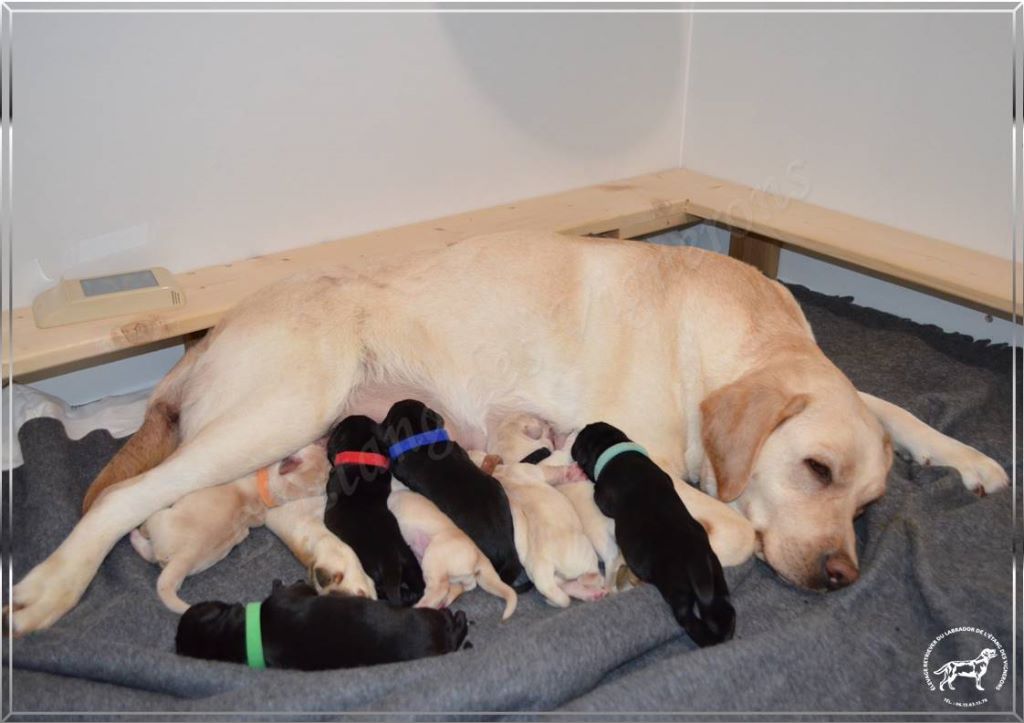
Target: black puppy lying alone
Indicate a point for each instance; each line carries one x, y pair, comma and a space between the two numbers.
660, 540
357, 510
296, 628
426, 461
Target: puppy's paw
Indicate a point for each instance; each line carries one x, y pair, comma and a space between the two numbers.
588, 587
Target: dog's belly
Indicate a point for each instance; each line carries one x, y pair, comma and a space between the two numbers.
374, 399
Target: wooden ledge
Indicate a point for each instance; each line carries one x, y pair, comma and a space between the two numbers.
625, 209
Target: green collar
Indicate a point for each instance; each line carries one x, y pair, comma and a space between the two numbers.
614, 451
254, 637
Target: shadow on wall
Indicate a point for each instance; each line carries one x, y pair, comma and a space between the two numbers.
552, 76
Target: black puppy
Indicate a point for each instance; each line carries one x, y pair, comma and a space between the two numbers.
296, 628
660, 540
357, 510
442, 472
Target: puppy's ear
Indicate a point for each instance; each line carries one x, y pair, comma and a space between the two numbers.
288, 464
736, 420
489, 463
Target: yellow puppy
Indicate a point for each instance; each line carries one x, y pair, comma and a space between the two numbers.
203, 527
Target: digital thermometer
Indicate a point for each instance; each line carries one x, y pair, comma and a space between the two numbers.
76, 300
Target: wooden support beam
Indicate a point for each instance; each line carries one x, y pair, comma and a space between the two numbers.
759, 252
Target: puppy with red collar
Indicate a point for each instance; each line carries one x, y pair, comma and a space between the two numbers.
357, 510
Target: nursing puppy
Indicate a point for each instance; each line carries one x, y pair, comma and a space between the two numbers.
558, 557
451, 563
357, 510
529, 439
442, 472
200, 529
661, 541
305, 631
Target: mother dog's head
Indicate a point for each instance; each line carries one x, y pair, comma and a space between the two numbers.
798, 452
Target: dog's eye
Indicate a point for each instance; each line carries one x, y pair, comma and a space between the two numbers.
821, 471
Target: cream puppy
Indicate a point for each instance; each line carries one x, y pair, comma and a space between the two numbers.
520, 435
450, 561
201, 528
549, 537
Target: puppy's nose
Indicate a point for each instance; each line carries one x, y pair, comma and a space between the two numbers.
839, 571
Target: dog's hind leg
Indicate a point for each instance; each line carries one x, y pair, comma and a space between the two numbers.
156, 439
229, 447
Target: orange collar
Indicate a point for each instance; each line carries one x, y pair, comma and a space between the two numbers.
263, 487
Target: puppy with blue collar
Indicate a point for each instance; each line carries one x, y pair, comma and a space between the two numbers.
660, 540
426, 461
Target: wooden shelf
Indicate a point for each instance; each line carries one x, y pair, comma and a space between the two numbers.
627, 209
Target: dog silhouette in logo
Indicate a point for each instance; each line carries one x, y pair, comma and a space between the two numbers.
966, 669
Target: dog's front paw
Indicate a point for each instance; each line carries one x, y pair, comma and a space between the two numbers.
980, 474
41, 599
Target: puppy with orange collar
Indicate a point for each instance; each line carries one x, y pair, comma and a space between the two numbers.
203, 527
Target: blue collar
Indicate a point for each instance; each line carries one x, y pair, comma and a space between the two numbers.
417, 440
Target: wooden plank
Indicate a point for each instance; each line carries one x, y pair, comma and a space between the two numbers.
654, 201
761, 253
983, 280
212, 290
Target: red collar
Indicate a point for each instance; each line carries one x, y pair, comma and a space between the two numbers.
365, 458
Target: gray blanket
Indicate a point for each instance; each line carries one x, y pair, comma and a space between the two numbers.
934, 557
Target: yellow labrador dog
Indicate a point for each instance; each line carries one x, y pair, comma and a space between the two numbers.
707, 363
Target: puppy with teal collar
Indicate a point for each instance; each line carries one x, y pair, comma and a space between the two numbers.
660, 540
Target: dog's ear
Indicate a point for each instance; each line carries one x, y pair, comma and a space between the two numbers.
736, 420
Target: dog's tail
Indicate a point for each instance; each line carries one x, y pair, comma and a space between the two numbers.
488, 579
156, 439
943, 670
169, 582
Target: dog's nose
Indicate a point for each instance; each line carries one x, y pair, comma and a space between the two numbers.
839, 571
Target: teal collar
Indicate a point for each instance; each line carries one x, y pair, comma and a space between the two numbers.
254, 637
614, 451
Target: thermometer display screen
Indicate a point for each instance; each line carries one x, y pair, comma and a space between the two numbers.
118, 282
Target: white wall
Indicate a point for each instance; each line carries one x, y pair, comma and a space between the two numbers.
191, 139
902, 118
